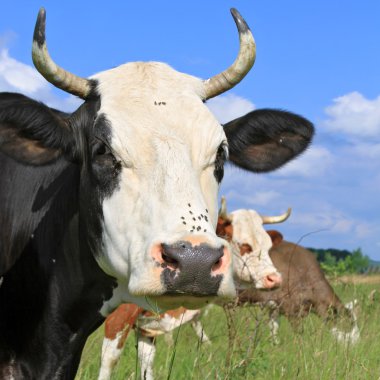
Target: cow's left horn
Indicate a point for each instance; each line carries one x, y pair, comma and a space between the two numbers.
276, 219
49, 70
237, 71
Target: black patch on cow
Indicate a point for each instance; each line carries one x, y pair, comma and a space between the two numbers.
221, 156
52, 184
264, 140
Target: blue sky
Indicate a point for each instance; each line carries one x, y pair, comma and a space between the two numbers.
317, 58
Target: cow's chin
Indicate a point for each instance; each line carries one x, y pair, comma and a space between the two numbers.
154, 292
169, 302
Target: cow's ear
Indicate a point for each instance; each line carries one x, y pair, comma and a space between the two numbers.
263, 140
31, 132
224, 228
275, 236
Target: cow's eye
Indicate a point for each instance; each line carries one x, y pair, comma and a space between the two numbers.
102, 154
100, 149
221, 156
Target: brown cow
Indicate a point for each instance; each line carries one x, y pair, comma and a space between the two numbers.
304, 290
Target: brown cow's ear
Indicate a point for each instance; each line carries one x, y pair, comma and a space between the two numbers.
224, 229
264, 140
276, 237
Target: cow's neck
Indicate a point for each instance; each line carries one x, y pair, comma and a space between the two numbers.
52, 301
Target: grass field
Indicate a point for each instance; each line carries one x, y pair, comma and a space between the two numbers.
312, 354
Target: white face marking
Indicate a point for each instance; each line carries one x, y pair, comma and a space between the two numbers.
252, 267
121, 295
167, 140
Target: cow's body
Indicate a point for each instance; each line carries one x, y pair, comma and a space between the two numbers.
304, 290
117, 202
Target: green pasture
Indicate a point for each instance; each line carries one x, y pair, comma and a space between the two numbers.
242, 349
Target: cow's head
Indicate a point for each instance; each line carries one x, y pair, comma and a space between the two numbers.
151, 158
250, 245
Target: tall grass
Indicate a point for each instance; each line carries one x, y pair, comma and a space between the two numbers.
245, 351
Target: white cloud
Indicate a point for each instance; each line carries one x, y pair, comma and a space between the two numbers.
354, 115
328, 218
229, 107
315, 162
16, 76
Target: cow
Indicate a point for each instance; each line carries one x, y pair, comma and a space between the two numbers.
304, 290
252, 268
117, 201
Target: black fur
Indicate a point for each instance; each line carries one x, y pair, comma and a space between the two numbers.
52, 287
221, 157
266, 139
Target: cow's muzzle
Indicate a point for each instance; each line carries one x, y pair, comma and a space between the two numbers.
194, 270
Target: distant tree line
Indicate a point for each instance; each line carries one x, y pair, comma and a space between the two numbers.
335, 262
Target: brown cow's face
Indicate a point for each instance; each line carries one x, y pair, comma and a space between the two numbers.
250, 246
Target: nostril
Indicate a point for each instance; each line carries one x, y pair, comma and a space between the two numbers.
169, 261
217, 265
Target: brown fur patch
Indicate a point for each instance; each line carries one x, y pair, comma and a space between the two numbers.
122, 319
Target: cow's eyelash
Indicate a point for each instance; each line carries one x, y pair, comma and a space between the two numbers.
117, 156
106, 143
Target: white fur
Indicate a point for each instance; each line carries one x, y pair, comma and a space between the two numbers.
274, 327
155, 326
110, 356
199, 330
146, 352
253, 267
121, 295
353, 336
168, 153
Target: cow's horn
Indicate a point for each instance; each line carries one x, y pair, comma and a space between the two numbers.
276, 219
49, 70
243, 63
223, 208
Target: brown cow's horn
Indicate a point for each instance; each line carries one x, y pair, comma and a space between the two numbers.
276, 219
243, 63
223, 208
49, 70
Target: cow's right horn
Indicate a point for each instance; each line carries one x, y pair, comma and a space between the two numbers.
238, 70
276, 219
49, 70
